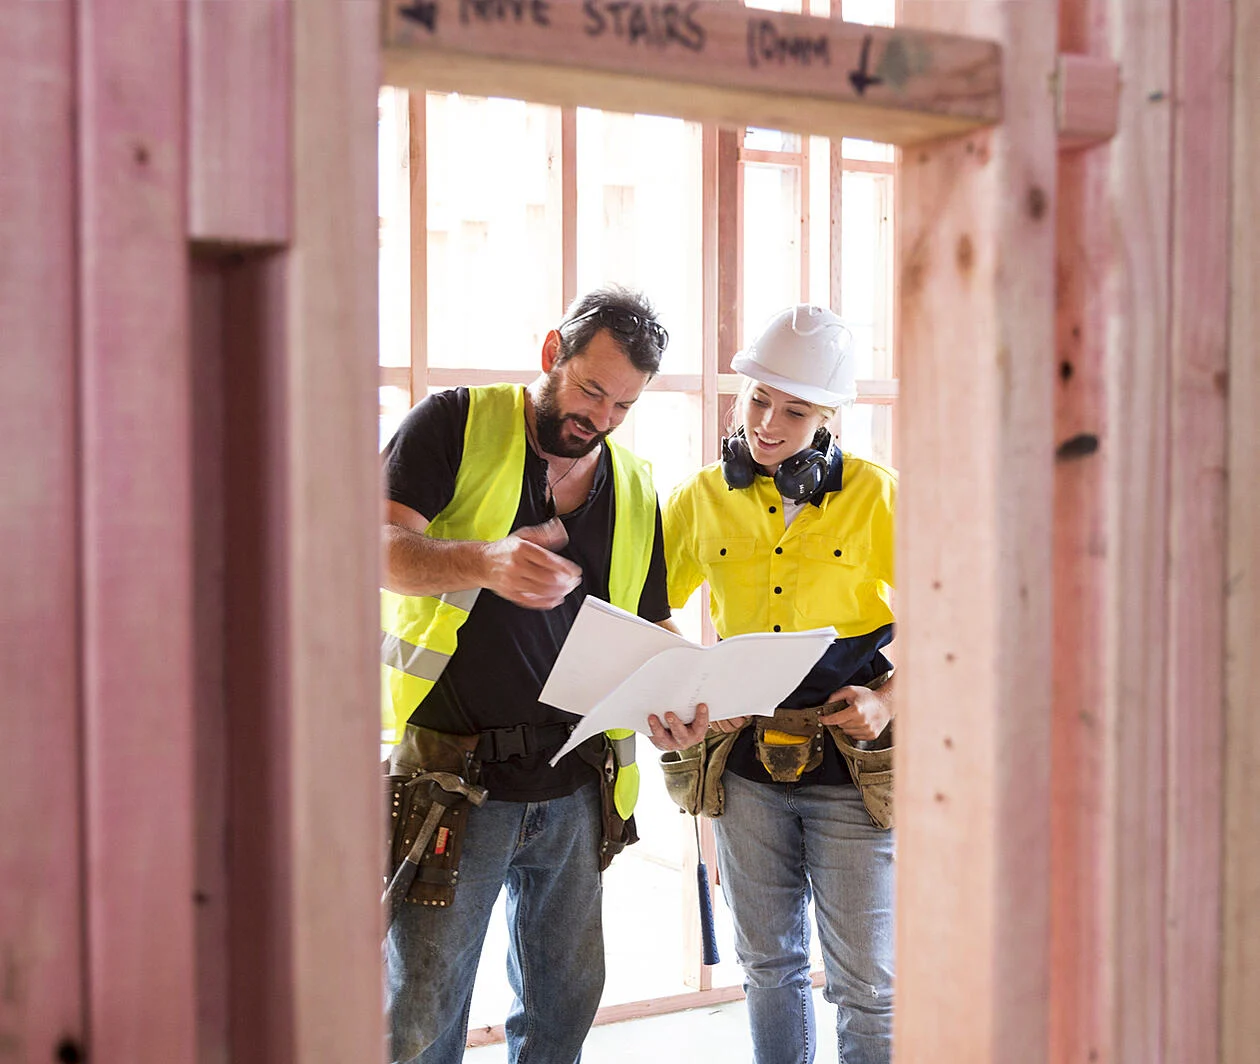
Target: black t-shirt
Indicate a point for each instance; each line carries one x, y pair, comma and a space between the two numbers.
506, 652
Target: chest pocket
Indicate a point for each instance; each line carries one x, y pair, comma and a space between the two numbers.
732, 568
723, 550
833, 573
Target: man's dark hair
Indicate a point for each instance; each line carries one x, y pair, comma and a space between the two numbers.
640, 349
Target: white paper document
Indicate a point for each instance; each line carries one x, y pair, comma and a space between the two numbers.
616, 669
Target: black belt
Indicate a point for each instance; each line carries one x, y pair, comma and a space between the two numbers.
520, 740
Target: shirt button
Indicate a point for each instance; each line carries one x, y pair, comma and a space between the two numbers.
778, 550
772, 509
723, 551
778, 591
776, 628
837, 553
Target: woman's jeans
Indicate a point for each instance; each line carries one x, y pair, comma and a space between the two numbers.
777, 844
547, 853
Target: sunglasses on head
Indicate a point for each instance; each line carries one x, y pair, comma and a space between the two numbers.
626, 324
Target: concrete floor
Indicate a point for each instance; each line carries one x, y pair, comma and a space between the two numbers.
644, 956
714, 1035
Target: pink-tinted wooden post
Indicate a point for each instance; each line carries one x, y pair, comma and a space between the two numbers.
41, 916
975, 327
1143, 283
285, 320
137, 633
1194, 711
1081, 992
1240, 1019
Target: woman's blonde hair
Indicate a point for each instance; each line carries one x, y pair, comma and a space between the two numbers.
735, 415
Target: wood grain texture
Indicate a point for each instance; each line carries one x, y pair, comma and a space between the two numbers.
975, 329
1137, 666
331, 523
714, 61
1082, 744
418, 223
137, 635
1199, 339
211, 870
41, 901
240, 160
1240, 990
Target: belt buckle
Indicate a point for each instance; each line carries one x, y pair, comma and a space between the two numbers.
510, 742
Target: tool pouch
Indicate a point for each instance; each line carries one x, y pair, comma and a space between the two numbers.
408, 801
684, 776
790, 743
871, 766
693, 777
615, 833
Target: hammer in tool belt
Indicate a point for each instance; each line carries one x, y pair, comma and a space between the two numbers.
447, 790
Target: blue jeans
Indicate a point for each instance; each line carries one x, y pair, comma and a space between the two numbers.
547, 853
777, 844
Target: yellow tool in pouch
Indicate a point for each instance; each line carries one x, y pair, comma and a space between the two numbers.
790, 743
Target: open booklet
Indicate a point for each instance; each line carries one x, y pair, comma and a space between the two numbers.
615, 669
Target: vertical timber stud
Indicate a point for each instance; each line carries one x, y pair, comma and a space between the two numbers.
1241, 976
332, 535
418, 239
41, 899
137, 635
1082, 734
1135, 661
975, 332
1193, 723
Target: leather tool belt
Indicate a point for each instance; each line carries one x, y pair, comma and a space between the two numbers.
417, 768
693, 777
788, 744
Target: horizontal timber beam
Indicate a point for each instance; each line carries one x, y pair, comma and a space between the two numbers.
705, 60
868, 391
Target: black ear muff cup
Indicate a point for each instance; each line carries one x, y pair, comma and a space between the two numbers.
800, 476
797, 478
738, 469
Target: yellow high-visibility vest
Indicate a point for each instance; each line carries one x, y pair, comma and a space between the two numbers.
419, 633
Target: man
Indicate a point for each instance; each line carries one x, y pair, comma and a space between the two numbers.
516, 492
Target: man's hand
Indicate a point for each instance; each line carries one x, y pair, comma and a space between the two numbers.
866, 715
673, 734
524, 568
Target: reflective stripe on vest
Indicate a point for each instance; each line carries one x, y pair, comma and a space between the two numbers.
419, 633
484, 504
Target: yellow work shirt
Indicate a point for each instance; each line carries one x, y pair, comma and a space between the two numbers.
832, 566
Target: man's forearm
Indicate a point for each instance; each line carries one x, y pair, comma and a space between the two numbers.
416, 564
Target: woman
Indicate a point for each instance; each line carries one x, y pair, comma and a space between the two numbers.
792, 535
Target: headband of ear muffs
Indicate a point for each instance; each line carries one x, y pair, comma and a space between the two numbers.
797, 478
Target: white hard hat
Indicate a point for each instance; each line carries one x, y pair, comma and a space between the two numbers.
805, 351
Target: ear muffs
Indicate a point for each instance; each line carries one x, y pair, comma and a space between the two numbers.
738, 468
800, 476
797, 478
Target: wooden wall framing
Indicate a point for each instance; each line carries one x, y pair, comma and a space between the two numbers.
187, 536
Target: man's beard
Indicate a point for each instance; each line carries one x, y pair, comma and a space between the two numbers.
550, 421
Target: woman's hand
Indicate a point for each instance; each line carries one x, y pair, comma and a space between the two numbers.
673, 734
866, 715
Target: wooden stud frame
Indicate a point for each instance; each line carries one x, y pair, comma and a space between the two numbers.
157, 639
